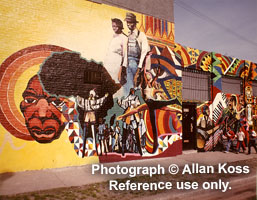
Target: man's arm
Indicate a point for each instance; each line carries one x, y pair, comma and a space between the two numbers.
80, 101
124, 51
96, 104
123, 103
142, 39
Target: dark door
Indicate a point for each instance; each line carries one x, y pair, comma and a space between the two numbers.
189, 126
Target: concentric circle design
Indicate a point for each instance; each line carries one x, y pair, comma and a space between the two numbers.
10, 70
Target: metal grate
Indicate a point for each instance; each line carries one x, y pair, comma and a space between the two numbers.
196, 86
231, 85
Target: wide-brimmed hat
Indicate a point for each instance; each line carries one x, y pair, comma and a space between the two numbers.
130, 17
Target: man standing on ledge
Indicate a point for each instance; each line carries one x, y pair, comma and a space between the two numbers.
90, 105
137, 50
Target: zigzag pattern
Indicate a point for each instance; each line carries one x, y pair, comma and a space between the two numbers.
159, 32
167, 140
70, 118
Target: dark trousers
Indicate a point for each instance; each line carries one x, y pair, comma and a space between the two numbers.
251, 143
124, 140
239, 145
153, 105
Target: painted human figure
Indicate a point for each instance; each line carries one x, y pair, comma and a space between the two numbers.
41, 113
149, 91
249, 102
130, 123
130, 142
106, 138
230, 135
112, 139
89, 106
116, 56
240, 140
117, 133
204, 123
233, 114
101, 128
137, 49
249, 114
229, 121
142, 130
252, 140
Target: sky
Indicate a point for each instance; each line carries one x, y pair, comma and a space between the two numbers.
228, 27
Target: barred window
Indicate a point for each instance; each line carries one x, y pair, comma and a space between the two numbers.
196, 85
92, 77
231, 85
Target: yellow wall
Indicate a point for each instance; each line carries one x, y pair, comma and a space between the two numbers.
78, 25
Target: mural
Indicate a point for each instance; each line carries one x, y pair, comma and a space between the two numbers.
225, 117
78, 93
220, 132
118, 95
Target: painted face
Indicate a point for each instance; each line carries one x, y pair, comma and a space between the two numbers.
232, 103
131, 25
132, 91
149, 76
41, 113
115, 28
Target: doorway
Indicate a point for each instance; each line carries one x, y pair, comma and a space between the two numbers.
189, 126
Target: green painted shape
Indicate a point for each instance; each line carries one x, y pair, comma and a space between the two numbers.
217, 74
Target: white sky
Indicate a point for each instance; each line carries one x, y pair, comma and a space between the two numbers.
228, 27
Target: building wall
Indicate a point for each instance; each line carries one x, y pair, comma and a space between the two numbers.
31, 33
76, 36
241, 114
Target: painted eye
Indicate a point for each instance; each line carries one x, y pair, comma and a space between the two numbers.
162, 73
55, 101
58, 103
30, 100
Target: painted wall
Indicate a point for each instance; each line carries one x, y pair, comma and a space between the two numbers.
234, 110
48, 56
63, 103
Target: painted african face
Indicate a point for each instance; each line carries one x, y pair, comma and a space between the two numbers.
115, 28
131, 25
41, 113
232, 103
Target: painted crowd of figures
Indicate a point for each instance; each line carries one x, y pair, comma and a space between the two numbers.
130, 68
114, 107
231, 131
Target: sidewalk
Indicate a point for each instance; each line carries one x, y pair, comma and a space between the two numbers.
29, 181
